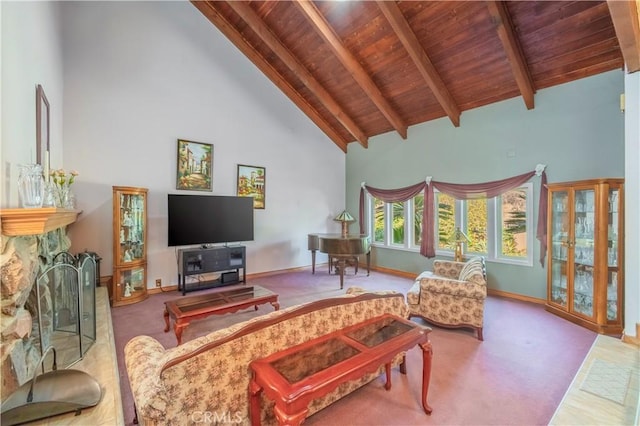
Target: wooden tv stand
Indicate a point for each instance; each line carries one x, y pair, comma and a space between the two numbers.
197, 261
293, 377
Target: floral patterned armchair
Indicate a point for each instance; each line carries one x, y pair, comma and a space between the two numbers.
452, 295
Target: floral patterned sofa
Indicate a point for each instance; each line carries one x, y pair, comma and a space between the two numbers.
206, 379
452, 295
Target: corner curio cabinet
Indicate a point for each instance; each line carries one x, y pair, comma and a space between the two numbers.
129, 245
585, 282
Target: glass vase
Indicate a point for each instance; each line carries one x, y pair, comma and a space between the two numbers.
69, 199
49, 197
64, 198
31, 185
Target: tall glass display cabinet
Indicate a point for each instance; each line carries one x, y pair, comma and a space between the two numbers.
585, 278
129, 245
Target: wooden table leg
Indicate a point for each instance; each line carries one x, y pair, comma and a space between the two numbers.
427, 353
387, 370
177, 328
276, 305
403, 365
166, 320
254, 402
289, 419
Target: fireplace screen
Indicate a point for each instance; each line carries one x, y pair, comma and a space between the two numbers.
66, 304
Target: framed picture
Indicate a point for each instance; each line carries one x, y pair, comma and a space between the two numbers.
252, 183
42, 129
194, 170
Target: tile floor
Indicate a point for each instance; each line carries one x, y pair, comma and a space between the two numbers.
579, 407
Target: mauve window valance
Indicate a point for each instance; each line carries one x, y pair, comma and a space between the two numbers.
461, 192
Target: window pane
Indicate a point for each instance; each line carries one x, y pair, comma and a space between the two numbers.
514, 223
446, 206
397, 210
378, 227
418, 207
477, 225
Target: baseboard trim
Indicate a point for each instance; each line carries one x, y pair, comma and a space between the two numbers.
521, 297
634, 340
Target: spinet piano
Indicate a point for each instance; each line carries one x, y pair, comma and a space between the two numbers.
340, 248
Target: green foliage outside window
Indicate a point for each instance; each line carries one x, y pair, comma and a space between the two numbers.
514, 223
446, 220
378, 228
418, 207
397, 211
477, 225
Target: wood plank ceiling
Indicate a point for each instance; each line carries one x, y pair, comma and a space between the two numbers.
362, 68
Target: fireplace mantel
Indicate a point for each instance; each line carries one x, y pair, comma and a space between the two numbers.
35, 221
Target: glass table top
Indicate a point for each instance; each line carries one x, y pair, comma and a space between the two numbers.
308, 361
220, 298
379, 332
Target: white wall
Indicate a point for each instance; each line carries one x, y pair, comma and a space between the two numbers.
140, 75
632, 203
31, 55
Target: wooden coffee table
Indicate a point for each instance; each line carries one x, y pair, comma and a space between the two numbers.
222, 301
295, 376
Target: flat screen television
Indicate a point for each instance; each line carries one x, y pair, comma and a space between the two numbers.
209, 219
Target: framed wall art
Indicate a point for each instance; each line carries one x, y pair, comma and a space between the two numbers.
252, 183
194, 170
42, 130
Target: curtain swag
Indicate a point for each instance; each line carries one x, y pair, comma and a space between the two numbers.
461, 192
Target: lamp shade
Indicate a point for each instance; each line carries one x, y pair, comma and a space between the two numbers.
459, 237
344, 217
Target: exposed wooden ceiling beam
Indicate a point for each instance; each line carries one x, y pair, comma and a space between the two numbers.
507, 35
625, 16
352, 65
261, 29
420, 58
209, 11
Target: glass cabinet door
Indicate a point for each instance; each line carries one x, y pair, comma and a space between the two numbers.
132, 220
585, 266
613, 246
131, 283
583, 251
559, 246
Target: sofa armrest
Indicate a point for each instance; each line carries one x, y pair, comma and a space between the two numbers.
447, 268
453, 287
144, 359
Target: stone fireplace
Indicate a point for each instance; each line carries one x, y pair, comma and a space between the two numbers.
30, 240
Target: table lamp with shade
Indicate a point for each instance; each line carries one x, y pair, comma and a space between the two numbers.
345, 218
459, 238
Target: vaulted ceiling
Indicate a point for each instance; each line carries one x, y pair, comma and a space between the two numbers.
363, 68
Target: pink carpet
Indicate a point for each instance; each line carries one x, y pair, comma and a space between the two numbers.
517, 376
